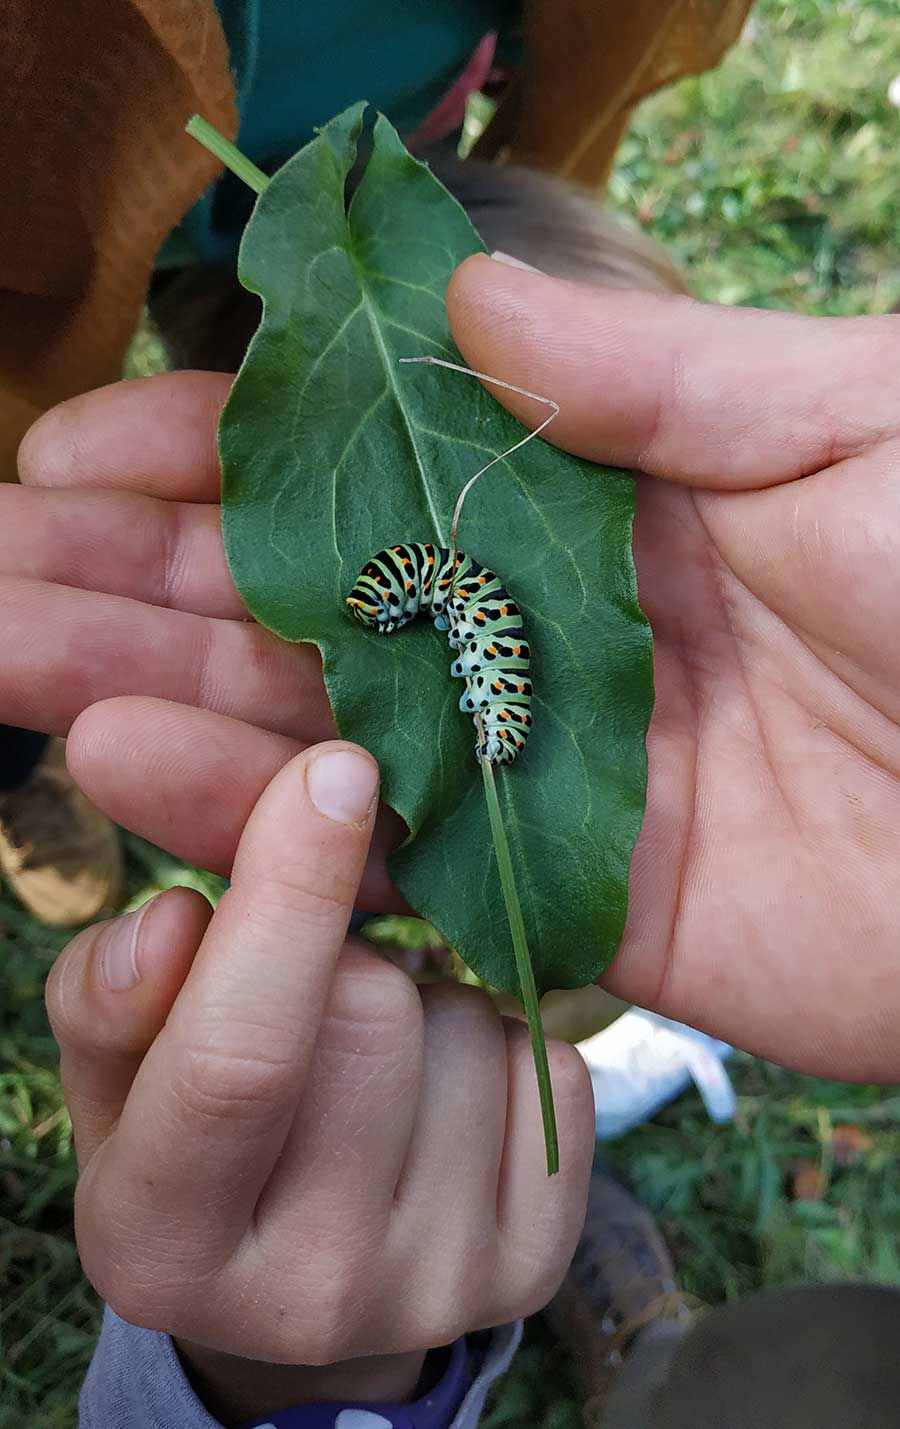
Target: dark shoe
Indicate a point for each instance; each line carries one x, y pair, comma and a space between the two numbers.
58, 853
621, 1278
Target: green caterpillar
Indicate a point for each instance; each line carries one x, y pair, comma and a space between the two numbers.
484, 624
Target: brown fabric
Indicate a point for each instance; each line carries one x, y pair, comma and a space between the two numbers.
97, 169
587, 63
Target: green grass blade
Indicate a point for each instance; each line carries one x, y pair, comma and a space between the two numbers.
530, 999
201, 130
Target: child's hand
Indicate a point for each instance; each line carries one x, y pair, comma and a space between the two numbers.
288, 1152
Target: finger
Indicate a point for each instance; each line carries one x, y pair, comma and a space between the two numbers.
539, 1216
188, 779
156, 435
65, 649
719, 397
454, 1155
215, 1097
161, 552
108, 996
356, 1117
458, 1138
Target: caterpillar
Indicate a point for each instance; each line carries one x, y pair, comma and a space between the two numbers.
484, 624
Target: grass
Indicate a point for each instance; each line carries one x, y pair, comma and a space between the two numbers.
774, 181
773, 178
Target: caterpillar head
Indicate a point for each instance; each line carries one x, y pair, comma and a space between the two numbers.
363, 606
376, 609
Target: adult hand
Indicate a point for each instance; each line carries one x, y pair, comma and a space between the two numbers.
113, 582
765, 890
288, 1153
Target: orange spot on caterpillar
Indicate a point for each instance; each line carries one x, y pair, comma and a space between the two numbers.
409, 586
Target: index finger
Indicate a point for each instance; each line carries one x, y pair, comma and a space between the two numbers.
213, 1102
156, 435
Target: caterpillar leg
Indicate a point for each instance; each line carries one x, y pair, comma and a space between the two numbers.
493, 750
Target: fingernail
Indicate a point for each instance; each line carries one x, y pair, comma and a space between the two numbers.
512, 262
118, 961
342, 785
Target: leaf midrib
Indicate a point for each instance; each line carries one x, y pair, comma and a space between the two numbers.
372, 315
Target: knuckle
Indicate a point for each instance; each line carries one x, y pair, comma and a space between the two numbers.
452, 1283
300, 894
213, 1085
372, 1005
535, 1265
144, 1302
341, 1318
466, 1296
108, 1261
136, 1259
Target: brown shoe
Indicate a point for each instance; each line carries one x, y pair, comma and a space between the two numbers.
58, 853
621, 1278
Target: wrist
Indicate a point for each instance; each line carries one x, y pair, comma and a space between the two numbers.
235, 1389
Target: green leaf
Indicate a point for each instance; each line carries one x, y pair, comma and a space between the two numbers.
331, 450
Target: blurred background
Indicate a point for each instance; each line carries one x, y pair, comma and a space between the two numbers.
774, 181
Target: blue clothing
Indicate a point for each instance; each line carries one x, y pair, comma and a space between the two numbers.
296, 65
136, 1381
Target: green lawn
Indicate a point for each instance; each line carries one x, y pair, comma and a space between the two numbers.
774, 181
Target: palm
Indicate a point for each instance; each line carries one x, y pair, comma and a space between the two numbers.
767, 862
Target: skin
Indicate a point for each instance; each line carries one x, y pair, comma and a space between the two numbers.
289, 1155
763, 890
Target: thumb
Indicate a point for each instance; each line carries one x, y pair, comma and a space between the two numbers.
724, 398
108, 996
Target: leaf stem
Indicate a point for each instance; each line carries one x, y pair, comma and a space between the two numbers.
525, 970
201, 130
